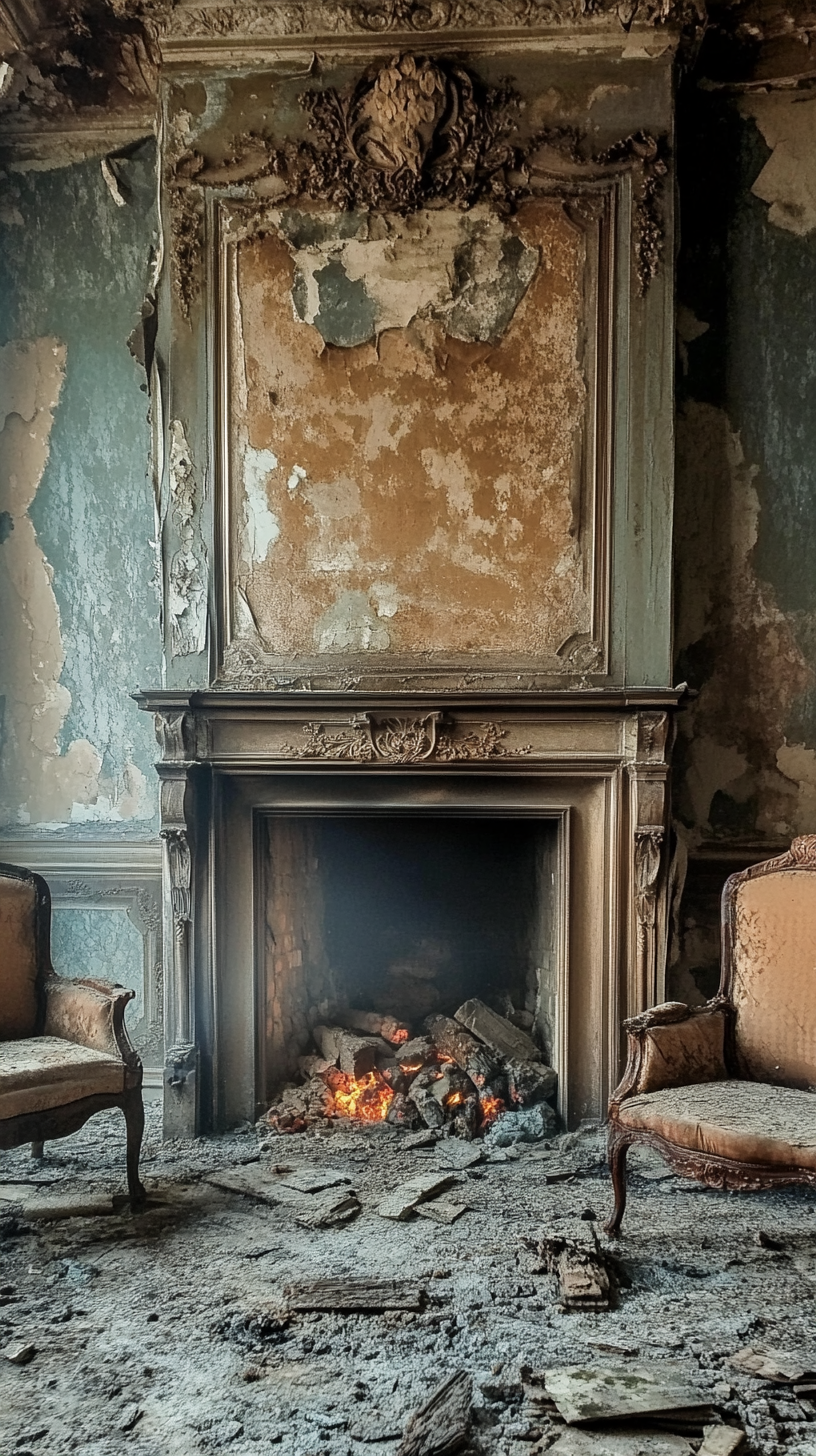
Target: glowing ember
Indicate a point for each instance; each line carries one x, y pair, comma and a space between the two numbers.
366, 1098
454, 1099
399, 1036
490, 1107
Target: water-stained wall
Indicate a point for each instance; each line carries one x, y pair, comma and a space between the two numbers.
408, 404
79, 596
745, 542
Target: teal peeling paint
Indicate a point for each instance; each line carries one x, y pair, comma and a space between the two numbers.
77, 269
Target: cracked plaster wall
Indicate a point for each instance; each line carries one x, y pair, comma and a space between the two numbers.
78, 589
745, 543
409, 401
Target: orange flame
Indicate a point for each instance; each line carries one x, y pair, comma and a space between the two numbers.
490, 1107
366, 1098
454, 1099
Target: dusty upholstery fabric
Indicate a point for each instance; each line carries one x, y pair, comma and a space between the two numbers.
774, 977
79, 1013
750, 1121
39, 1072
684, 1051
18, 958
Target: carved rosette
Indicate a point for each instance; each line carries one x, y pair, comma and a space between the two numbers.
402, 741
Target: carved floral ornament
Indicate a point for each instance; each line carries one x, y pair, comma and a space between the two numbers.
414, 133
402, 741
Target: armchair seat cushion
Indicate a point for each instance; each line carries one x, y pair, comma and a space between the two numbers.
40, 1072
751, 1122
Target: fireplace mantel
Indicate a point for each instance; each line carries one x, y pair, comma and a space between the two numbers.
595, 761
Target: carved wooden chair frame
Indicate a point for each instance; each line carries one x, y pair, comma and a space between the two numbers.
710, 1168
54, 1122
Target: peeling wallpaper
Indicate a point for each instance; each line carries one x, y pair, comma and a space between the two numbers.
77, 561
745, 529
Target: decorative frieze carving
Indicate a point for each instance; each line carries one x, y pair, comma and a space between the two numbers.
283, 18
402, 741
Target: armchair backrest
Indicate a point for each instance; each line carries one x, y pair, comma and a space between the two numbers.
769, 966
25, 951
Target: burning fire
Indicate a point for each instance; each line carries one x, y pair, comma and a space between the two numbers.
366, 1098
399, 1037
490, 1107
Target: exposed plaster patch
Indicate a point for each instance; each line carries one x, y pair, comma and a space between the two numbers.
740, 646
788, 180
351, 624
262, 526
41, 785
469, 271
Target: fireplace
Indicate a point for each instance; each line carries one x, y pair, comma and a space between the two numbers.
413, 411
283, 830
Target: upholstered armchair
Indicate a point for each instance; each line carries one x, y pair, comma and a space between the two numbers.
64, 1051
726, 1092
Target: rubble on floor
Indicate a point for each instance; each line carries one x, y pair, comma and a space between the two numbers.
222, 1320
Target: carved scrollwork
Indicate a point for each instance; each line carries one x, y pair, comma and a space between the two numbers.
803, 851
648, 843
180, 870
402, 741
410, 133
175, 734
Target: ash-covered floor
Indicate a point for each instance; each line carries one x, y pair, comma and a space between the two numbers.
162, 1333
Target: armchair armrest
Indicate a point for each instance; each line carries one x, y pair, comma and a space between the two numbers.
674, 1045
90, 1013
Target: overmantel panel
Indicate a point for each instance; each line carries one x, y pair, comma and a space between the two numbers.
618, 196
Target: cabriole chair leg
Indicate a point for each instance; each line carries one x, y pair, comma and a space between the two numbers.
134, 1122
618, 1148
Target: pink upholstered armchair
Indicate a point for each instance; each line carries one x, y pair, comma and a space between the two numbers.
726, 1092
64, 1051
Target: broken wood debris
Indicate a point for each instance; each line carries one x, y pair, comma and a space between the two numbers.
571, 1251
374, 1023
455, 1042
442, 1424
401, 1202
625, 1392
346, 1295
497, 1032
787, 1367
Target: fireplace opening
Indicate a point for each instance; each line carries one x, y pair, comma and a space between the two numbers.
409, 968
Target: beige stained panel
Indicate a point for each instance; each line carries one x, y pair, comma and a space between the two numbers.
774, 985
418, 493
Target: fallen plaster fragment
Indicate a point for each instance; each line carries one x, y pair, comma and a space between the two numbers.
401, 1202
296, 476
788, 1367
635, 1443
721, 1441
344, 1295
787, 182
623, 1392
